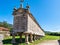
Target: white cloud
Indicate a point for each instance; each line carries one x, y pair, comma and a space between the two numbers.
58, 30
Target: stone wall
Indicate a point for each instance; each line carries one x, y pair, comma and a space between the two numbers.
33, 27
24, 23
5, 33
20, 23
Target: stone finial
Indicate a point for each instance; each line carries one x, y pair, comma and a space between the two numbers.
27, 6
15, 8
21, 5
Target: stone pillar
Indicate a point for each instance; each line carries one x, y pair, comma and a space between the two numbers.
26, 38
31, 38
21, 37
34, 37
39, 37
13, 38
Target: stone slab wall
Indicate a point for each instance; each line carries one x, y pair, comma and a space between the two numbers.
24, 23
20, 23
33, 27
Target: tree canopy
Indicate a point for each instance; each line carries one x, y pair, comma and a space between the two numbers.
6, 25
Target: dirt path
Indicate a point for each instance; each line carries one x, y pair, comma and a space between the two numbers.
49, 42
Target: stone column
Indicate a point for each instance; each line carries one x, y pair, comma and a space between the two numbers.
26, 38
39, 37
13, 38
21, 37
34, 37
31, 38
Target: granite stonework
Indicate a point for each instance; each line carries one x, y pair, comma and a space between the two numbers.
24, 23
20, 23
33, 27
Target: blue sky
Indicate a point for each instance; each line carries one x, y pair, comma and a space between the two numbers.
46, 12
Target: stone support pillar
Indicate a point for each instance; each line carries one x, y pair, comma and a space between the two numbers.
34, 37
31, 38
21, 37
38, 37
13, 38
26, 38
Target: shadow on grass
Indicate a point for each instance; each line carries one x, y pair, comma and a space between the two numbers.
59, 42
8, 41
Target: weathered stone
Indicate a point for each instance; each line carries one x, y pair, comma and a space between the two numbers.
26, 39
25, 23
31, 38
21, 37
13, 38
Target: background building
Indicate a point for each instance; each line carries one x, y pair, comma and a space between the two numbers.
4, 31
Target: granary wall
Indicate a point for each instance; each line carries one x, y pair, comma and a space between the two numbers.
24, 23
33, 27
20, 23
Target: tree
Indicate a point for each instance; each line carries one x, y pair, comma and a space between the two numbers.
6, 25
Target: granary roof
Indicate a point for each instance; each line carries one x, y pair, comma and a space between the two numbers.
20, 10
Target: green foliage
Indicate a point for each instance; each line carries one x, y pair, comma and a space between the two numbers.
52, 33
6, 25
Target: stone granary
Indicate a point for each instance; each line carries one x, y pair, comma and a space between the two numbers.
25, 24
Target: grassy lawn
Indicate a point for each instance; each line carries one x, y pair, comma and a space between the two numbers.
49, 37
7, 40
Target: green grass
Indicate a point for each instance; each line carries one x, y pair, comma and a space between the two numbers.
7, 40
49, 37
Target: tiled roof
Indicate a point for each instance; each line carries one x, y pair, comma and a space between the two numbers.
4, 29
